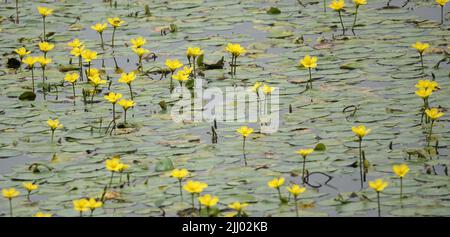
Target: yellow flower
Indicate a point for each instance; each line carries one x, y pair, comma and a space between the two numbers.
194, 186
305, 152
99, 27
93, 204
126, 104
424, 93
256, 86
115, 22
77, 51
92, 72
441, 2
400, 170
95, 80
113, 97
433, 85
420, 47
208, 200
296, 190
43, 61
378, 185
245, 131
267, 89
88, 55
30, 186
75, 43
54, 124
235, 49
361, 131
22, 52
238, 206
276, 183
194, 52
46, 46
114, 165
44, 11
140, 51
180, 76
10, 193
138, 42
41, 214
81, 205
30, 61
309, 62
127, 78
173, 64
434, 113
71, 77
179, 173
337, 5
360, 2
187, 70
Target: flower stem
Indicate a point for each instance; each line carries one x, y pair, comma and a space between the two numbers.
32, 78
303, 169
131, 90
17, 11
101, 39
53, 134
431, 132
181, 189
310, 77
192, 199
442, 15
125, 117
43, 80
74, 96
379, 208
279, 194
80, 62
360, 162
43, 20
401, 188
10, 207
421, 62
111, 179
354, 21
324, 6
296, 206
342, 23
113, 34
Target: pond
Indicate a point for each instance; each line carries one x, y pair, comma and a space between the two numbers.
363, 78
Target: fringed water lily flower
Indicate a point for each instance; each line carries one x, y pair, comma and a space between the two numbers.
361, 131
442, 3
53, 125
192, 53
30, 62
338, 5
304, 153
10, 194
296, 190
401, 171
378, 185
126, 104
100, 27
434, 114
115, 22
235, 50
309, 63
30, 187
194, 187
43, 61
128, 78
358, 3
72, 79
180, 174
421, 47
276, 184
44, 12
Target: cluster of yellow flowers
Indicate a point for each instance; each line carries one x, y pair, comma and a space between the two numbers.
11, 193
